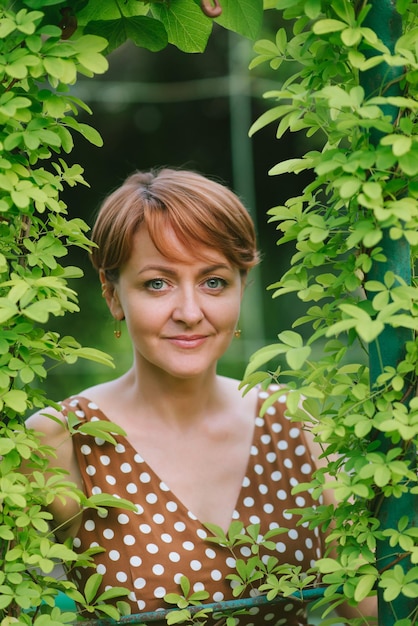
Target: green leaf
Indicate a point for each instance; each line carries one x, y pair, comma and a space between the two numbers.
271, 115
6, 533
355, 311
323, 27
244, 17
351, 36
297, 357
264, 355
186, 25
7, 26
364, 586
178, 616
11, 106
327, 565
409, 163
92, 586
185, 586
6, 445
101, 10
144, 31
382, 476
102, 429
292, 165
107, 500
312, 8
199, 596
90, 133
90, 44
16, 399
402, 145
40, 311
92, 354
267, 48
40, 4
290, 338
5, 600
61, 69
111, 594
8, 310
171, 598
350, 187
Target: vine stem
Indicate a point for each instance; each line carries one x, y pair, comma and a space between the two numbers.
211, 8
399, 558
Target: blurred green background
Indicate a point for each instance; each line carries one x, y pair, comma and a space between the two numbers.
192, 111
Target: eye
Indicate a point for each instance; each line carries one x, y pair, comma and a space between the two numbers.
156, 284
215, 283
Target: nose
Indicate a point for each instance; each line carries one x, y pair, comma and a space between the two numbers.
187, 307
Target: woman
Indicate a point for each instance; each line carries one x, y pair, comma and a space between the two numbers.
173, 253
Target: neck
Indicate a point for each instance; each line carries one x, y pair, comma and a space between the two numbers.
177, 400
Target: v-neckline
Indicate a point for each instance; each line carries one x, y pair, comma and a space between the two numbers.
123, 439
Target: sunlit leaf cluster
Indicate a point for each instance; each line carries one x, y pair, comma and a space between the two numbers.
44, 47
346, 227
151, 24
363, 193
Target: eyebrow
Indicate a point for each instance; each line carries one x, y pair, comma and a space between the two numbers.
170, 272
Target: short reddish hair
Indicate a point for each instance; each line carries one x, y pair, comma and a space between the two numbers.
197, 209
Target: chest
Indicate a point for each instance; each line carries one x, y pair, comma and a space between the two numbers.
209, 472
205, 470
258, 489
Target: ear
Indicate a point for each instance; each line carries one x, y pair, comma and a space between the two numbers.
110, 294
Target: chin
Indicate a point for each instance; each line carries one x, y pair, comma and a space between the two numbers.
187, 372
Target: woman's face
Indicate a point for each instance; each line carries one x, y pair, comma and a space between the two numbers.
181, 314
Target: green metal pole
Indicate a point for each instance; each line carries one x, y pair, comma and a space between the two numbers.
389, 348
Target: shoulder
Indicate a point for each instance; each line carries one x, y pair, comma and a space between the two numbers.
276, 416
52, 422
105, 394
273, 393
271, 401
274, 402
235, 401
257, 401
48, 421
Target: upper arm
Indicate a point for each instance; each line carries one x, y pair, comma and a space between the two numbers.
51, 425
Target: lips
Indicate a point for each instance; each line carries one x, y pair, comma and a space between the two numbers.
188, 341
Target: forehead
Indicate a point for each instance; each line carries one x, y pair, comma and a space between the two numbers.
171, 249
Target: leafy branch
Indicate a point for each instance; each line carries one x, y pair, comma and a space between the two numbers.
44, 48
346, 227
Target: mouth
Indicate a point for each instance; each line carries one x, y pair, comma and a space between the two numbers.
187, 341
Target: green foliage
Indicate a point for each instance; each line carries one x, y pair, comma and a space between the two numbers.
354, 230
360, 204
151, 24
37, 124
184, 601
94, 602
29, 556
267, 575
44, 47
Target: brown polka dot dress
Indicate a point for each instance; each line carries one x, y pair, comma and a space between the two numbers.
149, 549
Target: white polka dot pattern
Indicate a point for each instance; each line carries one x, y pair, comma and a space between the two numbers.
148, 550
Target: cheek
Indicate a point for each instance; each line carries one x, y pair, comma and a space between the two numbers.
229, 314
144, 317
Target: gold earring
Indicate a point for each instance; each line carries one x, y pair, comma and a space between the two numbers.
237, 333
117, 330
